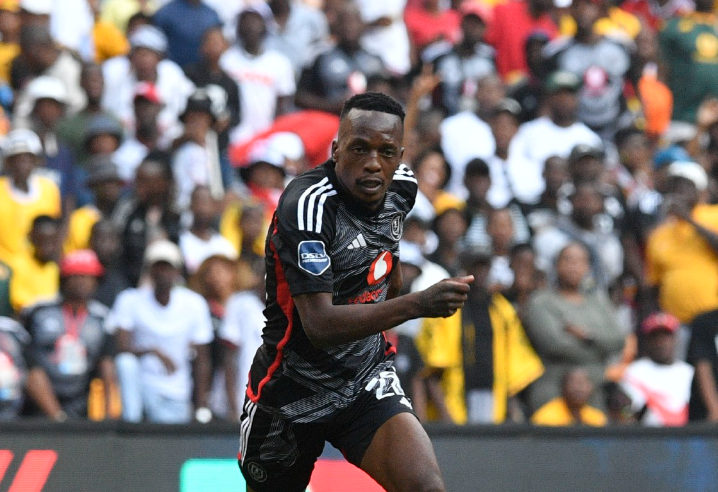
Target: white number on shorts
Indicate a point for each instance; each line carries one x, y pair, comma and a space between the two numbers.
385, 384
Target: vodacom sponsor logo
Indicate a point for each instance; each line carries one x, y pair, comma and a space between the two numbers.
380, 268
34, 469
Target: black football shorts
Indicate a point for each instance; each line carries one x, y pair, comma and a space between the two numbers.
277, 455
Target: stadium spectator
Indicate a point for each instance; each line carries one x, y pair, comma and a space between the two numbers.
72, 128
571, 408
119, 12
587, 224
13, 369
40, 56
241, 334
299, 31
512, 24
463, 65
545, 212
24, 195
264, 177
322, 85
703, 355
107, 40
69, 342
467, 135
658, 385
433, 173
10, 42
147, 105
163, 333
265, 77
527, 277
449, 226
48, 98
217, 280
196, 156
207, 71
500, 227
201, 240
685, 42
512, 180
528, 90
430, 21
106, 186
105, 242
185, 22
571, 327
148, 214
483, 352
145, 63
681, 267
559, 131
656, 13
35, 272
385, 35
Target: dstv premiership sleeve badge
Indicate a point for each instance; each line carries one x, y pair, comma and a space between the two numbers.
312, 257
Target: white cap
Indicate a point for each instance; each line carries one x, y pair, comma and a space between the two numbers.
21, 141
149, 37
287, 144
163, 250
46, 87
691, 171
37, 7
222, 249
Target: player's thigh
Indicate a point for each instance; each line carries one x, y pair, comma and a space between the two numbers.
401, 457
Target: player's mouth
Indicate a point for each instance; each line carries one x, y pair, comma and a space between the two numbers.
370, 185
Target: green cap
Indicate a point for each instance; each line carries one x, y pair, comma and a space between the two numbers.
562, 80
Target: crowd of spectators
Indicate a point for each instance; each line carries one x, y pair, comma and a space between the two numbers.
566, 154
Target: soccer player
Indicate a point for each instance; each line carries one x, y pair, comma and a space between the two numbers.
325, 370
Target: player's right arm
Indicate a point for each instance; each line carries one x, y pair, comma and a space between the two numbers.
327, 324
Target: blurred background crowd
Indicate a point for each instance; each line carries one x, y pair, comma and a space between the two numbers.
566, 154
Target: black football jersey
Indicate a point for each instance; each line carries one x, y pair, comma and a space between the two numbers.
322, 241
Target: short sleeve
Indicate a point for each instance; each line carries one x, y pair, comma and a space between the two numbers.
120, 316
202, 333
303, 233
286, 85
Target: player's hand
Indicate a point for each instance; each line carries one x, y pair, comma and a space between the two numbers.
444, 298
166, 361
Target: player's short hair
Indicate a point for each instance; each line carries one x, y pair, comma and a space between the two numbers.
373, 101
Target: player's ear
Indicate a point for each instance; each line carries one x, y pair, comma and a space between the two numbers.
401, 153
334, 150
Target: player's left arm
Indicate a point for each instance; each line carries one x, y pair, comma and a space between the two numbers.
396, 281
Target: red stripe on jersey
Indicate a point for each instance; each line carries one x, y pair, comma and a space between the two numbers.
390, 350
286, 303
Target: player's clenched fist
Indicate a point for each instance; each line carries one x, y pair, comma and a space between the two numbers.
444, 298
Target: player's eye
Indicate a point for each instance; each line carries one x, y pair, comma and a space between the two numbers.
359, 149
389, 152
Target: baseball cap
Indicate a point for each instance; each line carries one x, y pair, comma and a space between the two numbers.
103, 124
585, 150
508, 105
37, 7
660, 321
101, 170
562, 80
10, 5
475, 256
692, 171
147, 90
22, 141
199, 101
46, 87
164, 250
410, 254
81, 262
149, 37
670, 155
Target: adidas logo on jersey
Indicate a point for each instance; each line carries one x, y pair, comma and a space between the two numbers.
358, 242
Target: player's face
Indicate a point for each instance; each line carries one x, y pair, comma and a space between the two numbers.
367, 153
